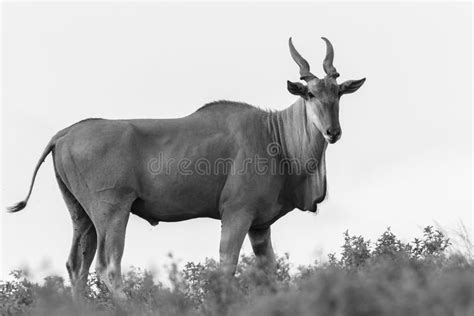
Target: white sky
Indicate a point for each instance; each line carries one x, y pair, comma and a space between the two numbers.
404, 159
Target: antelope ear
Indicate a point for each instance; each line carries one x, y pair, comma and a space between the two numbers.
350, 86
297, 88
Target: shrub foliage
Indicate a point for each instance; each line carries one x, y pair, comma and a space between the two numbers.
388, 277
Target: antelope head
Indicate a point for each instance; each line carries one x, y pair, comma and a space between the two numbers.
321, 96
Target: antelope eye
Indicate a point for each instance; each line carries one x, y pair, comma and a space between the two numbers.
310, 95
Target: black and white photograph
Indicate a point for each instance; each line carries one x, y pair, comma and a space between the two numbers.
236, 158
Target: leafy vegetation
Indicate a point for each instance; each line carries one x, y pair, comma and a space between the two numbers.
388, 277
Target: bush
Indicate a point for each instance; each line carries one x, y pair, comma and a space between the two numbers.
357, 251
388, 277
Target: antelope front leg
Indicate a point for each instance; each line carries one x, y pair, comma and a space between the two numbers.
234, 228
262, 248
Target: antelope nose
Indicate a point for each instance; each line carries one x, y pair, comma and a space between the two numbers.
334, 132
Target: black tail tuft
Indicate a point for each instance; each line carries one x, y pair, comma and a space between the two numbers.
17, 207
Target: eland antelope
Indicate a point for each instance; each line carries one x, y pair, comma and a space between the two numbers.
228, 160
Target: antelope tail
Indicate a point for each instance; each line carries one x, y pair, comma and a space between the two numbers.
21, 205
